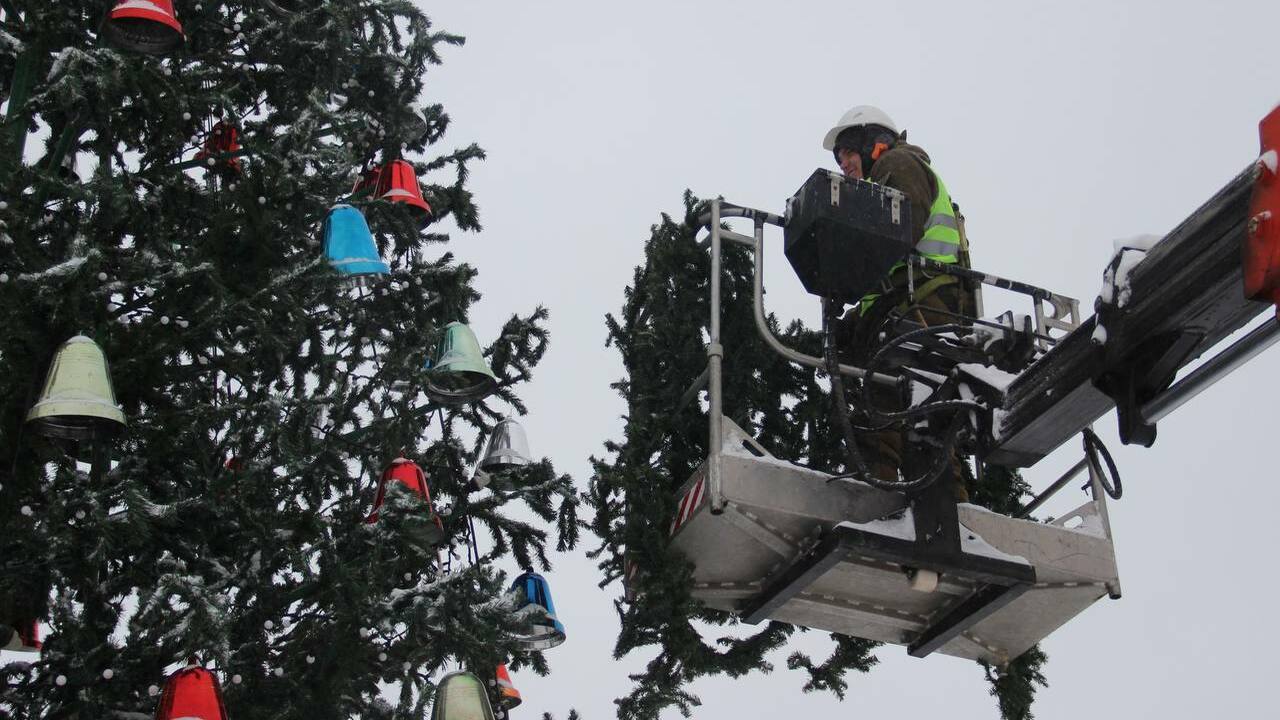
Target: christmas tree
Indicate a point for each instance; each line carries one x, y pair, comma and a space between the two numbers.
279, 487
660, 335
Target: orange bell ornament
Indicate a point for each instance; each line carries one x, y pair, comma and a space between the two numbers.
508, 695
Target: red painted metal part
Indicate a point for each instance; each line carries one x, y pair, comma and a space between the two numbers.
1262, 236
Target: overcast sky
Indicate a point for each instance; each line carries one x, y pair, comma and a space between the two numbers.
1058, 128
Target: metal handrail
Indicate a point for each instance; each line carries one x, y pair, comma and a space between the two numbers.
762, 326
715, 354
1053, 489
715, 351
793, 355
711, 220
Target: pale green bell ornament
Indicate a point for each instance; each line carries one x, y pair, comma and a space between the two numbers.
460, 373
77, 402
461, 696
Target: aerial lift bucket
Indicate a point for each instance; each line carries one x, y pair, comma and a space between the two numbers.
772, 540
790, 545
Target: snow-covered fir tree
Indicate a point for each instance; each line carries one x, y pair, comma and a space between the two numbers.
170, 206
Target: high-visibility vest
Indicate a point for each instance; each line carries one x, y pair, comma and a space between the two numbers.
941, 239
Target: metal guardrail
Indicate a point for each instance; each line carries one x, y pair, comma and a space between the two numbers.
715, 350
1065, 317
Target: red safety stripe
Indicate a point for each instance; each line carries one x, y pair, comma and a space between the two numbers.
688, 504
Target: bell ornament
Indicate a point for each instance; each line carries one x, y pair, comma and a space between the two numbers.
409, 476
459, 374
367, 181
192, 693
508, 695
461, 696
78, 402
535, 594
223, 138
24, 636
398, 182
145, 26
349, 246
508, 447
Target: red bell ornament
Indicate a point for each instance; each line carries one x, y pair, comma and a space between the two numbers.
24, 637
191, 693
407, 473
145, 26
222, 138
368, 180
398, 182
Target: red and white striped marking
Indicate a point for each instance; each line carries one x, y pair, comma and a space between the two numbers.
690, 502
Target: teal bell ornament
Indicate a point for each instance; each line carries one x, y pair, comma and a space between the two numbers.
77, 402
460, 374
349, 246
461, 696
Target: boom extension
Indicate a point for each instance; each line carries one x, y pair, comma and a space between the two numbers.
1185, 296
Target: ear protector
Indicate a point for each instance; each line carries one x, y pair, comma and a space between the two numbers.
869, 141
879, 144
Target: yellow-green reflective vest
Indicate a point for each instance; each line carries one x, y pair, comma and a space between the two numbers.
941, 238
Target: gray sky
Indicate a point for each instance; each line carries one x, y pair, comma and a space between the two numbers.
1058, 128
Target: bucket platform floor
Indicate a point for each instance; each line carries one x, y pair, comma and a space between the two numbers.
793, 546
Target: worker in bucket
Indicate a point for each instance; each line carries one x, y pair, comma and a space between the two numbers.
868, 145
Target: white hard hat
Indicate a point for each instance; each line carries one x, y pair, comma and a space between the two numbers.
860, 115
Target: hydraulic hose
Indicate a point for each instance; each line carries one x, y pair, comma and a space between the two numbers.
923, 410
830, 313
1092, 447
831, 356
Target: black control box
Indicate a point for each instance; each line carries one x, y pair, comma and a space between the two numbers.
843, 236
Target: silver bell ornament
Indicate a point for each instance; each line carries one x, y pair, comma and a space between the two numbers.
507, 449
